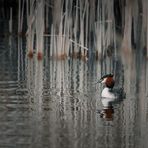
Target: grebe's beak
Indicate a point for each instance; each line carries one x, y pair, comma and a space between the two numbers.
99, 81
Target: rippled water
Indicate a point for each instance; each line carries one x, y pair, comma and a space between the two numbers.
57, 104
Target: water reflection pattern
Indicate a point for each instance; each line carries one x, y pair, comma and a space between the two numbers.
54, 103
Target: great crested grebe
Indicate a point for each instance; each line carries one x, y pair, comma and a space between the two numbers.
109, 95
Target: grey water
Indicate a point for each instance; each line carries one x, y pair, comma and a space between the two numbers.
56, 103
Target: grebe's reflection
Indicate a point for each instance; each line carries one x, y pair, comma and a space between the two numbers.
108, 108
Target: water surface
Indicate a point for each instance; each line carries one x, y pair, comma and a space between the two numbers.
55, 103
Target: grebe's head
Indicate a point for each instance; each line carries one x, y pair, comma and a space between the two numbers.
108, 80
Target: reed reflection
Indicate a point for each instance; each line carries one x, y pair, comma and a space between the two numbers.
35, 83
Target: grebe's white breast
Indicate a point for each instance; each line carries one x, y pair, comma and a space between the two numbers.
108, 93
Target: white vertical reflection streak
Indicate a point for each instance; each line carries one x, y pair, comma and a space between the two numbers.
129, 109
38, 96
34, 69
59, 77
81, 77
19, 48
38, 90
30, 79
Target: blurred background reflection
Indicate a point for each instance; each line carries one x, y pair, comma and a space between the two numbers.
55, 103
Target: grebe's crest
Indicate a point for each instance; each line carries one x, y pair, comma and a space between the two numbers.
108, 80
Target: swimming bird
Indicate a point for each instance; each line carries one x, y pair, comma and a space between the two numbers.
110, 96
108, 90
